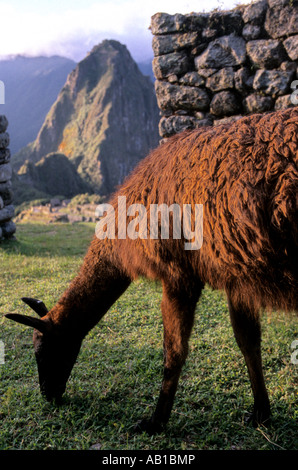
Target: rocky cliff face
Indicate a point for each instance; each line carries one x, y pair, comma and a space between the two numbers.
104, 121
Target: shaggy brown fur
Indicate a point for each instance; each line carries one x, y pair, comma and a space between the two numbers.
246, 177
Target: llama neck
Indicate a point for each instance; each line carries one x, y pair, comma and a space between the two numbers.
99, 283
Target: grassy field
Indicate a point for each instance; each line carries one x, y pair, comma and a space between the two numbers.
116, 379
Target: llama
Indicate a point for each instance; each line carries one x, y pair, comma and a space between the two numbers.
245, 175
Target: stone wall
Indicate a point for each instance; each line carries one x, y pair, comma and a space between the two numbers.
218, 66
7, 226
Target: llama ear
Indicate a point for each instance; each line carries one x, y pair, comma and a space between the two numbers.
33, 322
37, 305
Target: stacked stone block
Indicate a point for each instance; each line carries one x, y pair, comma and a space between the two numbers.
215, 67
7, 226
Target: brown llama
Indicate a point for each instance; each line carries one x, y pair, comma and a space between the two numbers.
245, 175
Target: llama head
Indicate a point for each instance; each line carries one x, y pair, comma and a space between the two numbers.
55, 350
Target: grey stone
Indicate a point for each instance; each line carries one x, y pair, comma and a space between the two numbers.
227, 120
7, 195
221, 80
222, 23
192, 79
5, 172
175, 63
5, 186
243, 80
283, 102
196, 21
291, 46
174, 124
4, 156
199, 115
251, 31
3, 123
55, 202
288, 66
173, 79
224, 103
205, 72
272, 82
233, 74
209, 33
181, 112
163, 23
97, 446
1, 203
265, 53
8, 229
197, 50
4, 139
226, 51
174, 97
256, 103
6, 213
206, 122
282, 20
255, 12
278, 3
164, 44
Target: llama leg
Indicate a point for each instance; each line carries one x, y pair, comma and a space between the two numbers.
178, 313
247, 330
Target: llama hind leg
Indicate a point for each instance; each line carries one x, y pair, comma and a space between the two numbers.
247, 331
178, 314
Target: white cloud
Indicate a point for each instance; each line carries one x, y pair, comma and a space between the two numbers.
74, 31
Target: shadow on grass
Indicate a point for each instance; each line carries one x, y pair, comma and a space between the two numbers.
112, 415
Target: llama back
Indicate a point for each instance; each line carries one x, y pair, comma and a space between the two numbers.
246, 178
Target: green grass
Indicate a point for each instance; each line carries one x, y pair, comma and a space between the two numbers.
116, 379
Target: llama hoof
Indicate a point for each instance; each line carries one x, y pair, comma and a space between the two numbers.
259, 417
148, 426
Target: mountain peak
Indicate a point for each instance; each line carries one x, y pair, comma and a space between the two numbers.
107, 45
104, 120
90, 70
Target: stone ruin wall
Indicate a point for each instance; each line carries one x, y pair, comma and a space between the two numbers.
7, 226
215, 67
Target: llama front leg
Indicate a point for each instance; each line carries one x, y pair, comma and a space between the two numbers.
247, 330
178, 313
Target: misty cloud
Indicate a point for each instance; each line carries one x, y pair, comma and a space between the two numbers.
73, 31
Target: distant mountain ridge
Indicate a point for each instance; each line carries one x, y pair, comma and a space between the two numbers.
105, 119
32, 85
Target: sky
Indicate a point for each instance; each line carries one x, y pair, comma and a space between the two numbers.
71, 28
